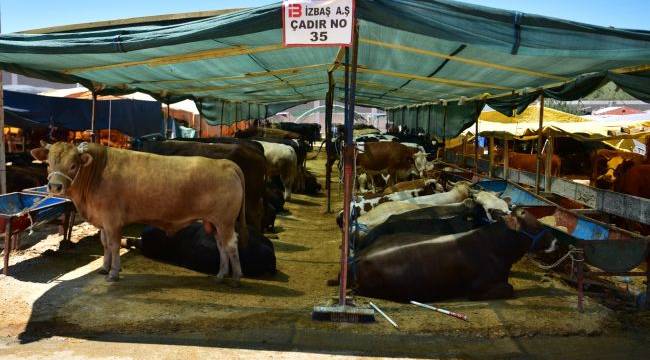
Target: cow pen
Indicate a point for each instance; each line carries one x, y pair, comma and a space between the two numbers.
408, 59
59, 295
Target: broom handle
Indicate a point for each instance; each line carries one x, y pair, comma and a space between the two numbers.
442, 311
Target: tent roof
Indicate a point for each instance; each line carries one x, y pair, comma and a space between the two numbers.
531, 114
410, 52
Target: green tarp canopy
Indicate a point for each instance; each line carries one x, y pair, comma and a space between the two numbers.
412, 52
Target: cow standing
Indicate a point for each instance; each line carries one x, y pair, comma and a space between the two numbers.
112, 188
605, 164
281, 160
391, 157
244, 153
528, 162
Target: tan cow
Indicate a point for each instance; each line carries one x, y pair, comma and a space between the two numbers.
112, 188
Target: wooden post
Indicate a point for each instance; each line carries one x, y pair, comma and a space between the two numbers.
463, 150
3, 160
538, 175
329, 107
506, 158
93, 137
491, 154
166, 127
547, 166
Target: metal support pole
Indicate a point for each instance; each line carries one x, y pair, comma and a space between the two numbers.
548, 176
166, 128
200, 108
3, 160
93, 137
476, 147
444, 134
329, 107
7, 249
581, 284
538, 175
647, 284
348, 166
491, 154
506, 158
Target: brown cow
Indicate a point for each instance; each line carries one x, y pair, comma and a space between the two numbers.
528, 162
249, 159
386, 156
632, 178
605, 163
112, 188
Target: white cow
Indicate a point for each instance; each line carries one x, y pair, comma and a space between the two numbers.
490, 201
365, 205
383, 211
281, 160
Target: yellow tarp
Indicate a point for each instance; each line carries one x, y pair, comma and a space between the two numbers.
531, 114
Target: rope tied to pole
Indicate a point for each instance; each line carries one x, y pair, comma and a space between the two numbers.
576, 255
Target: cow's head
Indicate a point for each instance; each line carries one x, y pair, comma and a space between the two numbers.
420, 162
523, 222
64, 163
611, 171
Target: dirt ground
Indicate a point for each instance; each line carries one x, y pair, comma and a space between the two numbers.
54, 295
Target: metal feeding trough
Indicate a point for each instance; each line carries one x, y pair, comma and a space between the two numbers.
22, 210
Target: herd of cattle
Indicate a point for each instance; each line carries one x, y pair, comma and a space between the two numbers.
415, 241
416, 236
243, 184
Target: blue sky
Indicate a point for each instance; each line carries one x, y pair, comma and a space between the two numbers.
20, 15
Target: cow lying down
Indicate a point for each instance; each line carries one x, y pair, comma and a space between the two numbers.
365, 205
439, 219
195, 249
474, 264
385, 212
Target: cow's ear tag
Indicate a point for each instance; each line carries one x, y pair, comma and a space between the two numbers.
40, 153
86, 159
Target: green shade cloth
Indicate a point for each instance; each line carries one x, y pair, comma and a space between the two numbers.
637, 85
410, 52
430, 119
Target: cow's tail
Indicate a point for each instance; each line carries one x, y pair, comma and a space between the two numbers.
243, 226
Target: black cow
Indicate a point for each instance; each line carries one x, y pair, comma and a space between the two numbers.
273, 202
195, 249
474, 264
23, 174
308, 132
431, 221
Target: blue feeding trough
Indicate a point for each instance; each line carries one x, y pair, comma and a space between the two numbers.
17, 207
22, 210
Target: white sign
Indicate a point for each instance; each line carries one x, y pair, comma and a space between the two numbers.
317, 22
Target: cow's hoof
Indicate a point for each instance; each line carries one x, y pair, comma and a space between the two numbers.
102, 271
218, 279
112, 278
